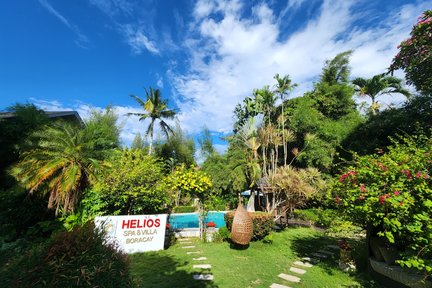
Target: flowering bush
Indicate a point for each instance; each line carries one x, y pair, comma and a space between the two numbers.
393, 192
211, 224
189, 181
415, 55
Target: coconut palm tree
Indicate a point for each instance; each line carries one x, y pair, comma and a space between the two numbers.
379, 85
155, 108
60, 165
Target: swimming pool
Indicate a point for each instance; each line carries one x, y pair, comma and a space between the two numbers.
190, 220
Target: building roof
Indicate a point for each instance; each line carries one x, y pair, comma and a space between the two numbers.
66, 115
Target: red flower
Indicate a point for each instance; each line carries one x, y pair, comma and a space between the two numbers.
407, 173
382, 199
211, 224
396, 192
362, 188
338, 200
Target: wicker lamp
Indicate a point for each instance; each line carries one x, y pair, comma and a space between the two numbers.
242, 227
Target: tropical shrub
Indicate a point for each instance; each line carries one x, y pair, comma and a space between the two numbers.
393, 192
224, 233
61, 165
262, 223
318, 216
130, 184
415, 55
294, 187
80, 258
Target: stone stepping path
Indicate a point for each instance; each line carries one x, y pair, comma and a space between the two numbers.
202, 266
297, 270
319, 255
289, 278
306, 262
326, 252
200, 258
302, 264
310, 260
274, 285
205, 277
196, 276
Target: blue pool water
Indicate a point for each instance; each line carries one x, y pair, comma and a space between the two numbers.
190, 220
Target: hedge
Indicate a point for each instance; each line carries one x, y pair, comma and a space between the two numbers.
262, 223
184, 209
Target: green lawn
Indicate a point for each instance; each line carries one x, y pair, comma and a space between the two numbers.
257, 266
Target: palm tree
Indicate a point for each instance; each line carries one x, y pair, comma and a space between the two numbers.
283, 87
378, 85
60, 165
155, 108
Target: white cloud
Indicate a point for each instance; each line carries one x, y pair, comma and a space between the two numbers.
137, 40
82, 40
230, 55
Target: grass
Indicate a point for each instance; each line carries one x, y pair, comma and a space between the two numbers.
257, 266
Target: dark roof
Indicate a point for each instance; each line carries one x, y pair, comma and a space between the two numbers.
66, 115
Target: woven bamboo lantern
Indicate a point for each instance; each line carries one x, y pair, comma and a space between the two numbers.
242, 227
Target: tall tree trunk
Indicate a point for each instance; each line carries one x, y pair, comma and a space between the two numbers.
150, 143
264, 160
283, 134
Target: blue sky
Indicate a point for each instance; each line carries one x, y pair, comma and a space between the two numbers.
205, 56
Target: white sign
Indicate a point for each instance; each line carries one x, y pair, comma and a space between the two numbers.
135, 233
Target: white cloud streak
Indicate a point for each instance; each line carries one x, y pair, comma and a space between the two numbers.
82, 40
229, 55
137, 40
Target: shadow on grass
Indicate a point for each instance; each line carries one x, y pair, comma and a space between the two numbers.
155, 270
304, 246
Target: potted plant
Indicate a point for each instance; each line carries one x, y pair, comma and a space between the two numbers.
211, 226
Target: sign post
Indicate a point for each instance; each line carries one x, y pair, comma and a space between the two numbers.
135, 233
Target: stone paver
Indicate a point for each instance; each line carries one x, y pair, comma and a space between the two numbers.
302, 264
194, 252
200, 258
310, 260
289, 278
202, 266
333, 247
326, 252
206, 277
188, 247
183, 239
274, 285
297, 270
319, 255
185, 242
